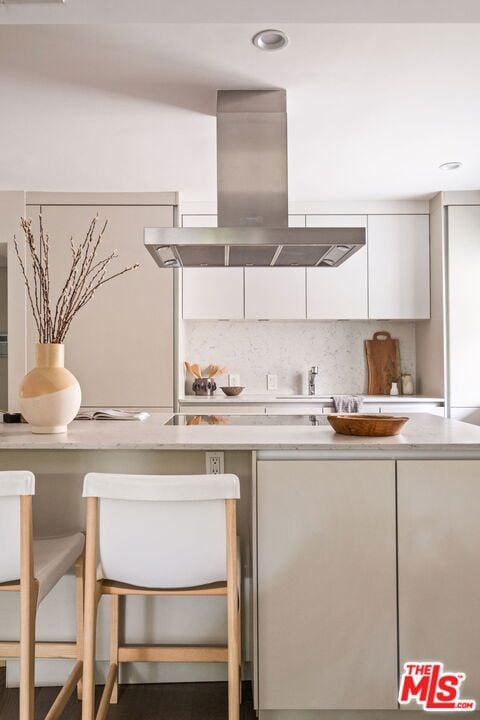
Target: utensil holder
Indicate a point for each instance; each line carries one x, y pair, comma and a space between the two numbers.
204, 386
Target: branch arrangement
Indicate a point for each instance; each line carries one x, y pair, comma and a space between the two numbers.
87, 273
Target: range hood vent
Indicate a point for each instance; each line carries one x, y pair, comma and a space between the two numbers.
252, 177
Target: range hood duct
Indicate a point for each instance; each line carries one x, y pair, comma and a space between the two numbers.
252, 179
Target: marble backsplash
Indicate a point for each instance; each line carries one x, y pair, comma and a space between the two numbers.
287, 349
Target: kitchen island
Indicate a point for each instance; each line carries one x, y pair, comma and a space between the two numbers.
358, 554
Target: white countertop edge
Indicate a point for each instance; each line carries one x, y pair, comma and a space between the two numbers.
276, 399
424, 433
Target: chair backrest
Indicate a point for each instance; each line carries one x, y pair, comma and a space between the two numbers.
13, 484
162, 531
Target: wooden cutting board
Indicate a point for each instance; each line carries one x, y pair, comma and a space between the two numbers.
383, 360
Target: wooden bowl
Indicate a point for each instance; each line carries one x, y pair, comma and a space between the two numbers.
368, 425
233, 390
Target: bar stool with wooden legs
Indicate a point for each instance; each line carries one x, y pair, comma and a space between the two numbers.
32, 568
159, 535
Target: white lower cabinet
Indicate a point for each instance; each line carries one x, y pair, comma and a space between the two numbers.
295, 409
221, 409
275, 293
326, 592
406, 407
438, 550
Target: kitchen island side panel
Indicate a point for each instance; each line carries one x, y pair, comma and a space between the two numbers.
327, 624
438, 561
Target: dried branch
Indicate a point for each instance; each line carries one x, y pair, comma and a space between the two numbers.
85, 276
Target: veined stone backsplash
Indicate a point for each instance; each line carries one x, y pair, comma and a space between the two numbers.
287, 349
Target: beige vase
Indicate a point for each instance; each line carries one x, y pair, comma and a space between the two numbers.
50, 395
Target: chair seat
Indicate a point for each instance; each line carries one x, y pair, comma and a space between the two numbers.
53, 557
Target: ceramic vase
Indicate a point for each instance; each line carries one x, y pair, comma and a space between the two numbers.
50, 395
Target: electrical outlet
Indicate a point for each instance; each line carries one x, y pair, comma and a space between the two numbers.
233, 380
215, 462
272, 382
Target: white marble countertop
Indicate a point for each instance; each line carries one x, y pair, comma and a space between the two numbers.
274, 398
423, 432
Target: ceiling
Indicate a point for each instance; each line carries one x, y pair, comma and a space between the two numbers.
246, 11
374, 108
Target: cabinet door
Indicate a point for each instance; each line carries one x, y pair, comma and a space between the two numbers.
464, 304
439, 583
467, 414
211, 293
398, 267
120, 346
295, 409
275, 293
405, 407
338, 293
326, 585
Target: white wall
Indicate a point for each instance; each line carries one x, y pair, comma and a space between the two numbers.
3, 328
288, 349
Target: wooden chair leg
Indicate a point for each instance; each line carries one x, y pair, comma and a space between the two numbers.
239, 645
232, 613
90, 619
28, 612
114, 630
79, 604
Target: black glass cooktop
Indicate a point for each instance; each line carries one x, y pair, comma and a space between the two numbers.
289, 420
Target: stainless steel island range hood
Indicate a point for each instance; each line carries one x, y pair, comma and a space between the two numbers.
252, 177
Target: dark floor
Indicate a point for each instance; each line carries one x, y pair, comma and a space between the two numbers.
179, 701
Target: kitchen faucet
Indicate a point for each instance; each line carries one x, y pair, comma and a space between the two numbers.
312, 375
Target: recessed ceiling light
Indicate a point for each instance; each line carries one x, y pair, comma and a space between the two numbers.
270, 40
450, 165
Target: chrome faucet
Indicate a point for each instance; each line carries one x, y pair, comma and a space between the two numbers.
312, 375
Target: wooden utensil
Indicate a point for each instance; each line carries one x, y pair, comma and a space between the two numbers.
192, 369
383, 359
215, 370
196, 370
368, 425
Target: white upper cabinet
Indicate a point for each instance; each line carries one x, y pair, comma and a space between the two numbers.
338, 293
398, 267
464, 304
296, 221
275, 293
387, 279
211, 293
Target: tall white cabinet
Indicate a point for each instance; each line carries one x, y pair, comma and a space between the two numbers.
120, 347
463, 304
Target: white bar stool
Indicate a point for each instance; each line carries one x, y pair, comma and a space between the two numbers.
33, 568
159, 535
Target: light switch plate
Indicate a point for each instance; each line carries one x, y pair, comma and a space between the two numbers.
233, 380
272, 382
